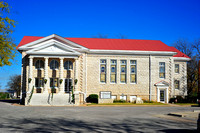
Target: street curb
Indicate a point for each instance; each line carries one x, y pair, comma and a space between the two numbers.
177, 115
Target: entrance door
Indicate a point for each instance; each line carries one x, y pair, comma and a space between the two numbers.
68, 85
162, 95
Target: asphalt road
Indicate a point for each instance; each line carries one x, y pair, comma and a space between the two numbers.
92, 119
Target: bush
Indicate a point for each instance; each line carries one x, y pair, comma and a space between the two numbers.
147, 101
93, 98
4, 95
119, 101
187, 99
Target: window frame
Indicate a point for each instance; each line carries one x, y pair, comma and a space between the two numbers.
105, 70
54, 68
115, 73
39, 82
178, 81
40, 68
68, 65
125, 73
53, 83
160, 65
65, 88
133, 64
178, 68
107, 92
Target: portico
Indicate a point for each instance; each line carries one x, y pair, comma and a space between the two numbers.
162, 91
56, 70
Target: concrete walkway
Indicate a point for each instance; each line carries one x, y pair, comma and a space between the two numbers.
94, 119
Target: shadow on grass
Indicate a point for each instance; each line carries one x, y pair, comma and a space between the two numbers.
72, 125
11, 101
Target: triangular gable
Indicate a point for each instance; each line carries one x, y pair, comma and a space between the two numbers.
162, 83
53, 48
39, 42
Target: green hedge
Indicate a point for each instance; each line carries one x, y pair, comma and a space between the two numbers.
119, 101
187, 99
4, 95
93, 98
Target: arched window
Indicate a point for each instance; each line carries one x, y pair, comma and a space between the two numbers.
68, 65
39, 64
54, 64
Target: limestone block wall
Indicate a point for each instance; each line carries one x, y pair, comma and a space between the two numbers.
155, 73
182, 77
140, 89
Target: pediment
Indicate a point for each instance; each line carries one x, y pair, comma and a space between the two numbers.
162, 83
52, 38
53, 48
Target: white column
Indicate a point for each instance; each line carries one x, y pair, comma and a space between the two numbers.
158, 96
76, 74
46, 77
30, 74
167, 95
61, 86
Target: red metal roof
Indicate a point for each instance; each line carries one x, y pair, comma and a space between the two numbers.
114, 44
179, 53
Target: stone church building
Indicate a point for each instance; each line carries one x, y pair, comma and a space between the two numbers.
54, 68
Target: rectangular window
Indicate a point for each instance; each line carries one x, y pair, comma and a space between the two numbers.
103, 71
162, 69
105, 94
176, 68
123, 71
113, 71
68, 85
39, 82
133, 71
176, 84
53, 82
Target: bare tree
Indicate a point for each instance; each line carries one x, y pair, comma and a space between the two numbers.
196, 46
189, 49
14, 83
119, 36
100, 36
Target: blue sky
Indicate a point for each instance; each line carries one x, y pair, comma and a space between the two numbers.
165, 20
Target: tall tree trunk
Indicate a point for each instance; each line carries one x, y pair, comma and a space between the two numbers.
199, 81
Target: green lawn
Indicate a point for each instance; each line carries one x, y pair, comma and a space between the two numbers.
94, 104
182, 104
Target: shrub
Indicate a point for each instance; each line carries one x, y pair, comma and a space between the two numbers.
172, 100
93, 98
187, 99
147, 101
119, 101
4, 95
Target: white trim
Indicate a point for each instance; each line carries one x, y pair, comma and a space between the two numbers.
49, 37
165, 88
53, 56
111, 71
126, 82
132, 52
105, 71
181, 59
62, 46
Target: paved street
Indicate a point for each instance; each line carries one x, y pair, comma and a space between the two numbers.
94, 119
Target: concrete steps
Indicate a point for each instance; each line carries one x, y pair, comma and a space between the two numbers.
42, 99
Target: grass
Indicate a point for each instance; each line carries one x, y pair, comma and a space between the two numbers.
182, 104
95, 104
